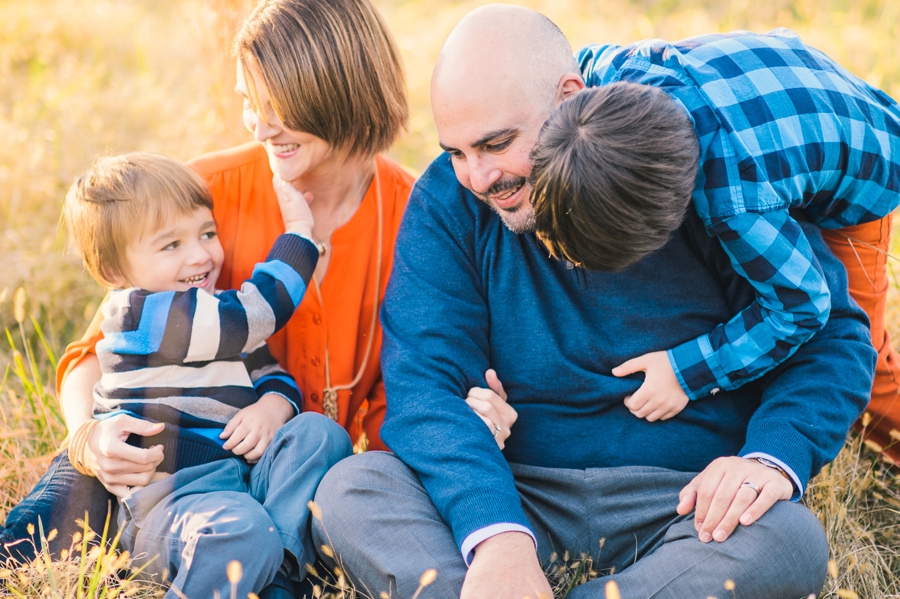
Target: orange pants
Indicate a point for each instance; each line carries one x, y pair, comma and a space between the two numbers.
863, 250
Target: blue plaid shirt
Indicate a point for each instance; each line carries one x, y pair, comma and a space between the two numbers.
781, 126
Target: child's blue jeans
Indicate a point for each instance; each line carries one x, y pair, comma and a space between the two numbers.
196, 521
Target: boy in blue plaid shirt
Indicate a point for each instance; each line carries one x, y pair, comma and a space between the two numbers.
757, 131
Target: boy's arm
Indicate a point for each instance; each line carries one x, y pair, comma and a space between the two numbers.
268, 376
792, 303
194, 326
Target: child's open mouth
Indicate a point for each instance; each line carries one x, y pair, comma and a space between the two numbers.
196, 280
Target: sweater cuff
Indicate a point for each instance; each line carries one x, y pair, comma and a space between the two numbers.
292, 261
483, 534
281, 385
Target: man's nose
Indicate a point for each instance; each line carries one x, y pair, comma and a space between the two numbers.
482, 175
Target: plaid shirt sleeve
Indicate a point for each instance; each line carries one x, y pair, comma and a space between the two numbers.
793, 302
781, 126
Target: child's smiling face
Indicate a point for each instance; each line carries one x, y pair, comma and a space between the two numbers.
183, 254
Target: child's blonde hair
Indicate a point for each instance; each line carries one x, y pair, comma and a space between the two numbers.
122, 198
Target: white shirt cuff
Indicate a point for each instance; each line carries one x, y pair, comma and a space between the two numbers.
783, 466
483, 534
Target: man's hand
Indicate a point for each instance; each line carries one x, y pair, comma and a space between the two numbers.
506, 566
294, 207
491, 407
721, 500
661, 396
117, 464
251, 430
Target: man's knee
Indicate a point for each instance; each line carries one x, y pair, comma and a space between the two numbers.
354, 488
353, 482
790, 543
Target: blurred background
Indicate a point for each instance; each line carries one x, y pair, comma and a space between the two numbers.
83, 78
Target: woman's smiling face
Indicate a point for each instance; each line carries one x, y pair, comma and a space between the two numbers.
292, 154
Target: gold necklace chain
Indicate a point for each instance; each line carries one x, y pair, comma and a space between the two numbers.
330, 393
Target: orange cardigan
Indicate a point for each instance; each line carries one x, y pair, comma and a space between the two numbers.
248, 221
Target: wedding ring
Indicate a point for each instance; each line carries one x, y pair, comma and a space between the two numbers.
753, 486
497, 429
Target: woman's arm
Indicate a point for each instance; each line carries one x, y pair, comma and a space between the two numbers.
116, 464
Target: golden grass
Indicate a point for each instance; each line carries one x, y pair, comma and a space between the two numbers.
92, 77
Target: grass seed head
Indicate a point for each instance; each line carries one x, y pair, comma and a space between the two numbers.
234, 571
612, 590
428, 577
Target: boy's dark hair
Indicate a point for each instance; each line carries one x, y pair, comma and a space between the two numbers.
614, 168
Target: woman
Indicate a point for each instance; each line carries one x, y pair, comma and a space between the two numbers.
324, 94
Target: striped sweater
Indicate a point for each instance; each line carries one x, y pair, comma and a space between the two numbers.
193, 360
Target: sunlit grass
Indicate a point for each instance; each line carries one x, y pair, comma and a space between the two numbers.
86, 78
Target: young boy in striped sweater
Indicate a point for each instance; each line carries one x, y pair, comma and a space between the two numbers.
194, 360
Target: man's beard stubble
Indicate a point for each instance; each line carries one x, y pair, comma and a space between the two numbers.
519, 219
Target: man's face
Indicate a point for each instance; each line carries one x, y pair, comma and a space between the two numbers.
489, 140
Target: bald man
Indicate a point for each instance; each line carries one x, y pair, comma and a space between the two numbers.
665, 509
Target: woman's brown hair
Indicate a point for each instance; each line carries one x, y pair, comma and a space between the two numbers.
331, 68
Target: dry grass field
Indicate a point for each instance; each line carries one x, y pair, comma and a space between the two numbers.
82, 78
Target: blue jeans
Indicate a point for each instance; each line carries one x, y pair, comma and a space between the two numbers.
60, 497
387, 532
196, 521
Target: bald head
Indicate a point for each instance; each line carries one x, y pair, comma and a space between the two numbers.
499, 51
499, 75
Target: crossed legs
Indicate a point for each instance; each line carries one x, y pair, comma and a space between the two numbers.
386, 531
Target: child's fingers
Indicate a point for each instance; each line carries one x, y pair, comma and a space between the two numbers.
257, 452
236, 436
231, 425
638, 400
633, 365
246, 444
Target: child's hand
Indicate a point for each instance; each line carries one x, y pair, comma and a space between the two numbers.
491, 407
660, 397
294, 207
251, 430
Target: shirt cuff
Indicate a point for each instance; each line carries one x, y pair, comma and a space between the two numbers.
483, 534
797, 485
697, 368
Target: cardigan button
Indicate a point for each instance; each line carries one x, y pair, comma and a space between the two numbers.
315, 361
314, 397
317, 319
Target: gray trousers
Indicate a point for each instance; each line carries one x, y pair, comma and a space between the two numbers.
386, 531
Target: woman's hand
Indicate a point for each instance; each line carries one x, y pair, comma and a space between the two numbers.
491, 407
117, 464
294, 207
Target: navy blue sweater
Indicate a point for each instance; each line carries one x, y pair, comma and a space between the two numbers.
466, 295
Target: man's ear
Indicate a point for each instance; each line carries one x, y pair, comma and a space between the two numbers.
569, 85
